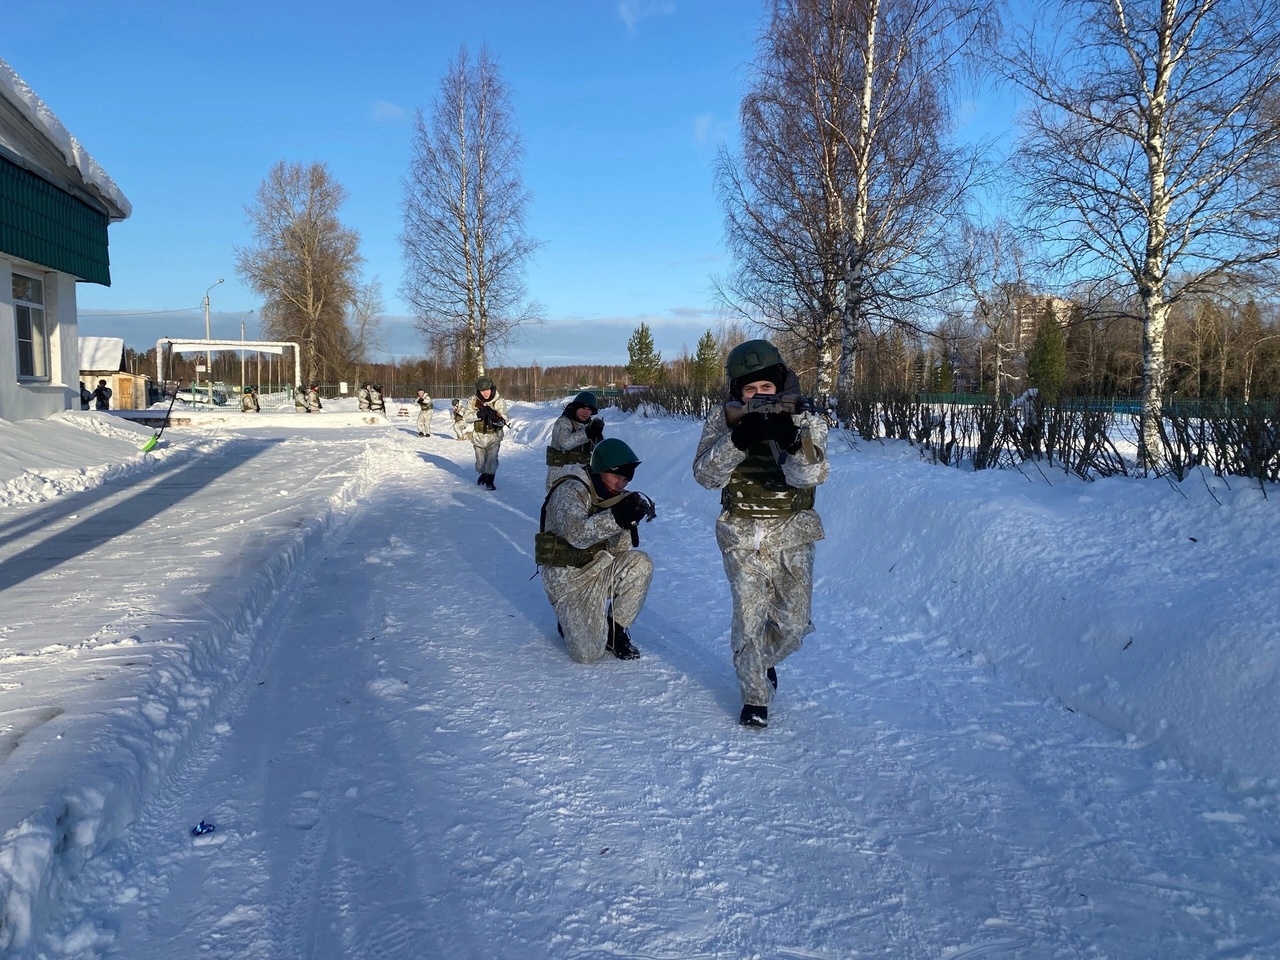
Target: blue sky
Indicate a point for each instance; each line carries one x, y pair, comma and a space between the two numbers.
622, 105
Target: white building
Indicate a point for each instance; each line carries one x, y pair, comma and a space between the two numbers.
55, 206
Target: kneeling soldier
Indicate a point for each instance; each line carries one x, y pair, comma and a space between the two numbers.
593, 577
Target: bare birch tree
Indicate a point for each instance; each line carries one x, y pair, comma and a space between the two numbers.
303, 262
367, 335
464, 240
1149, 154
846, 182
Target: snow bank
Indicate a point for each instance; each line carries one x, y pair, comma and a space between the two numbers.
78, 768
70, 451
1147, 605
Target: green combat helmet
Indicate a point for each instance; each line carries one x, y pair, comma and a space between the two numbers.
484, 383
612, 453
751, 361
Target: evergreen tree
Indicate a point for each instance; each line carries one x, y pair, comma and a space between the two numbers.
644, 363
1047, 362
942, 375
707, 371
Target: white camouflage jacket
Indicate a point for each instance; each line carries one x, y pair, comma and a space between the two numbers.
715, 462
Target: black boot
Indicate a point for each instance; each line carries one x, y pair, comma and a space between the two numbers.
489, 481
754, 716
480, 479
619, 643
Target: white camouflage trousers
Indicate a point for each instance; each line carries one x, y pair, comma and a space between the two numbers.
424, 421
486, 446
585, 597
772, 595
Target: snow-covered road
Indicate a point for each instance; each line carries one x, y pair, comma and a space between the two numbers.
408, 766
401, 762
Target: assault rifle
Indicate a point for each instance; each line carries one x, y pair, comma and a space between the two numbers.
774, 405
770, 404
490, 415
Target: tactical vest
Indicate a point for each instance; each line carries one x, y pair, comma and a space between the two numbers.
563, 458
550, 550
758, 489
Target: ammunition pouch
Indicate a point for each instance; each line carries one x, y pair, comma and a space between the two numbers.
758, 490
565, 458
552, 551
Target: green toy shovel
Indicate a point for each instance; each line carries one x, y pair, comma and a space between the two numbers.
155, 437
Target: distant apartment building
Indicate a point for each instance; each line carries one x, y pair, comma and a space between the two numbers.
1028, 309
55, 206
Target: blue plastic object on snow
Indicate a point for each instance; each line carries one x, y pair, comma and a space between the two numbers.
201, 828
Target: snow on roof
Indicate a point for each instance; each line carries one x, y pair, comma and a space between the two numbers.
16, 91
101, 353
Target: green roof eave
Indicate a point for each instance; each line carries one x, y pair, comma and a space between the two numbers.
46, 225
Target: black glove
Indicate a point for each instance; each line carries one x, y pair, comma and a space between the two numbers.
594, 430
750, 429
783, 430
629, 511
490, 416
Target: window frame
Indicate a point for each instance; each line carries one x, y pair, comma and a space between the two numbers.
38, 340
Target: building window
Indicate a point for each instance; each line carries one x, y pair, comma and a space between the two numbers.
33, 339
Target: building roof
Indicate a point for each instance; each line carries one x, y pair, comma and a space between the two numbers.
100, 354
16, 92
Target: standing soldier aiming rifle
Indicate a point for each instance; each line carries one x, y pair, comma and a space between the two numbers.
486, 411
574, 435
765, 451
593, 577
424, 413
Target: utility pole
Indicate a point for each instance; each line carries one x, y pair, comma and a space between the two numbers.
208, 353
242, 320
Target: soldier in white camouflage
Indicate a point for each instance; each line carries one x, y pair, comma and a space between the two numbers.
486, 413
460, 428
423, 401
594, 577
574, 435
766, 463
311, 399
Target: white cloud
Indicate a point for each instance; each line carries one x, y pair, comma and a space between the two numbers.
384, 111
633, 11
708, 128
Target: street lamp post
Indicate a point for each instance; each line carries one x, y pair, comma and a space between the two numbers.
208, 352
242, 320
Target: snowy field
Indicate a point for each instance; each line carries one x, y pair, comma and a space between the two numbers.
1038, 719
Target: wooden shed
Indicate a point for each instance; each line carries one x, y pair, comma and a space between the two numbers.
102, 358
